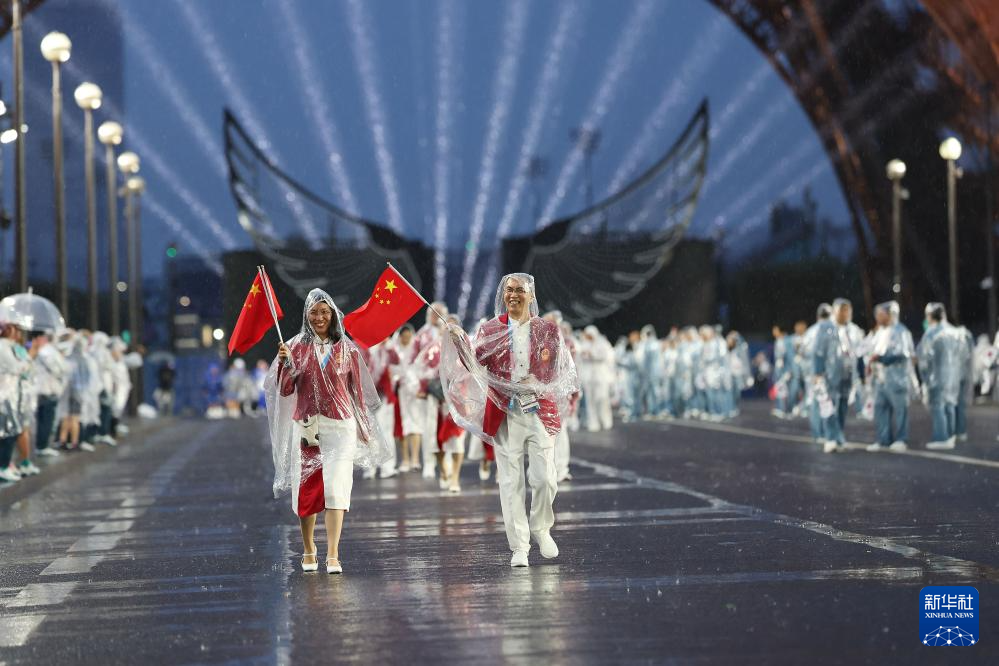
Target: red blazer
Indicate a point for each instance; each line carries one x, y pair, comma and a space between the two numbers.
494, 354
332, 396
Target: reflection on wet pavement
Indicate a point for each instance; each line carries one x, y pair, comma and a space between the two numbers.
170, 550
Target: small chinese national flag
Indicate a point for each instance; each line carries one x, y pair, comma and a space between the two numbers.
391, 305
255, 318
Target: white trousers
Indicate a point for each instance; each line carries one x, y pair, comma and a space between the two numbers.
337, 446
599, 414
455, 445
562, 453
429, 441
413, 410
386, 421
523, 434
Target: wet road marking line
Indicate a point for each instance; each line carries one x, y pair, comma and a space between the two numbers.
96, 542
18, 629
42, 594
853, 446
954, 566
125, 514
108, 526
885, 574
493, 490
71, 564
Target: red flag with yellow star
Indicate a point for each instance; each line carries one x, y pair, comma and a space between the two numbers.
254, 319
391, 305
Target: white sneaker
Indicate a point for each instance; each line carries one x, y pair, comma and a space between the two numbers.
403, 468
110, 441
484, 473
429, 472
87, 446
48, 453
28, 468
547, 545
899, 446
368, 473
9, 475
946, 444
122, 429
442, 483
829, 446
389, 474
454, 488
875, 447
519, 559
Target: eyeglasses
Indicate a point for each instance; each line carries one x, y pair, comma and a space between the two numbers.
520, 291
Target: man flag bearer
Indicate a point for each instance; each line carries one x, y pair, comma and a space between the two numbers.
511, 387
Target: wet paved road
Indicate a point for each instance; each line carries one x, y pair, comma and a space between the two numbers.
681, 543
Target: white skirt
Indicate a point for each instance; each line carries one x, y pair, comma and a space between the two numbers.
337, 446
414, 412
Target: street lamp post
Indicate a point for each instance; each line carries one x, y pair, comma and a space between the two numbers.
88, 97
56, 49
110, 133
20, 198
950, 150
128, 164
896, 171
137, 185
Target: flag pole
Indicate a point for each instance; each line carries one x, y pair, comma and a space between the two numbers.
414, 290
266, 281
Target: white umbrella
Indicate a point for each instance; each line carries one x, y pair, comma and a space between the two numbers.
34, 313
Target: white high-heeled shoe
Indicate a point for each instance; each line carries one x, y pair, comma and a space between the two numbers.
332, 568
310, 567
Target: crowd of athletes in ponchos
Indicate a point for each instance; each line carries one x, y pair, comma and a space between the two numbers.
694, 372
825, 371
60, 392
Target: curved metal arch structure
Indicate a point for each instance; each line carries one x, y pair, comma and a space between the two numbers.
800, 43
590, 263
354, 249
608, 251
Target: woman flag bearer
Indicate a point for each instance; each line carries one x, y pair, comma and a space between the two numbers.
321, 407
511, 386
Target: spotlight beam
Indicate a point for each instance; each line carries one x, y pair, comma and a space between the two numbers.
178, 96
160, 213
150, 156
318, 107
175, 225
443, 119
692, 70
502, 98
567, 25
365, 57
636, 28
212, 53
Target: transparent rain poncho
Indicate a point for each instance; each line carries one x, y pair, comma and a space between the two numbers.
939, 354
321, 378
489, 376
892, 345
